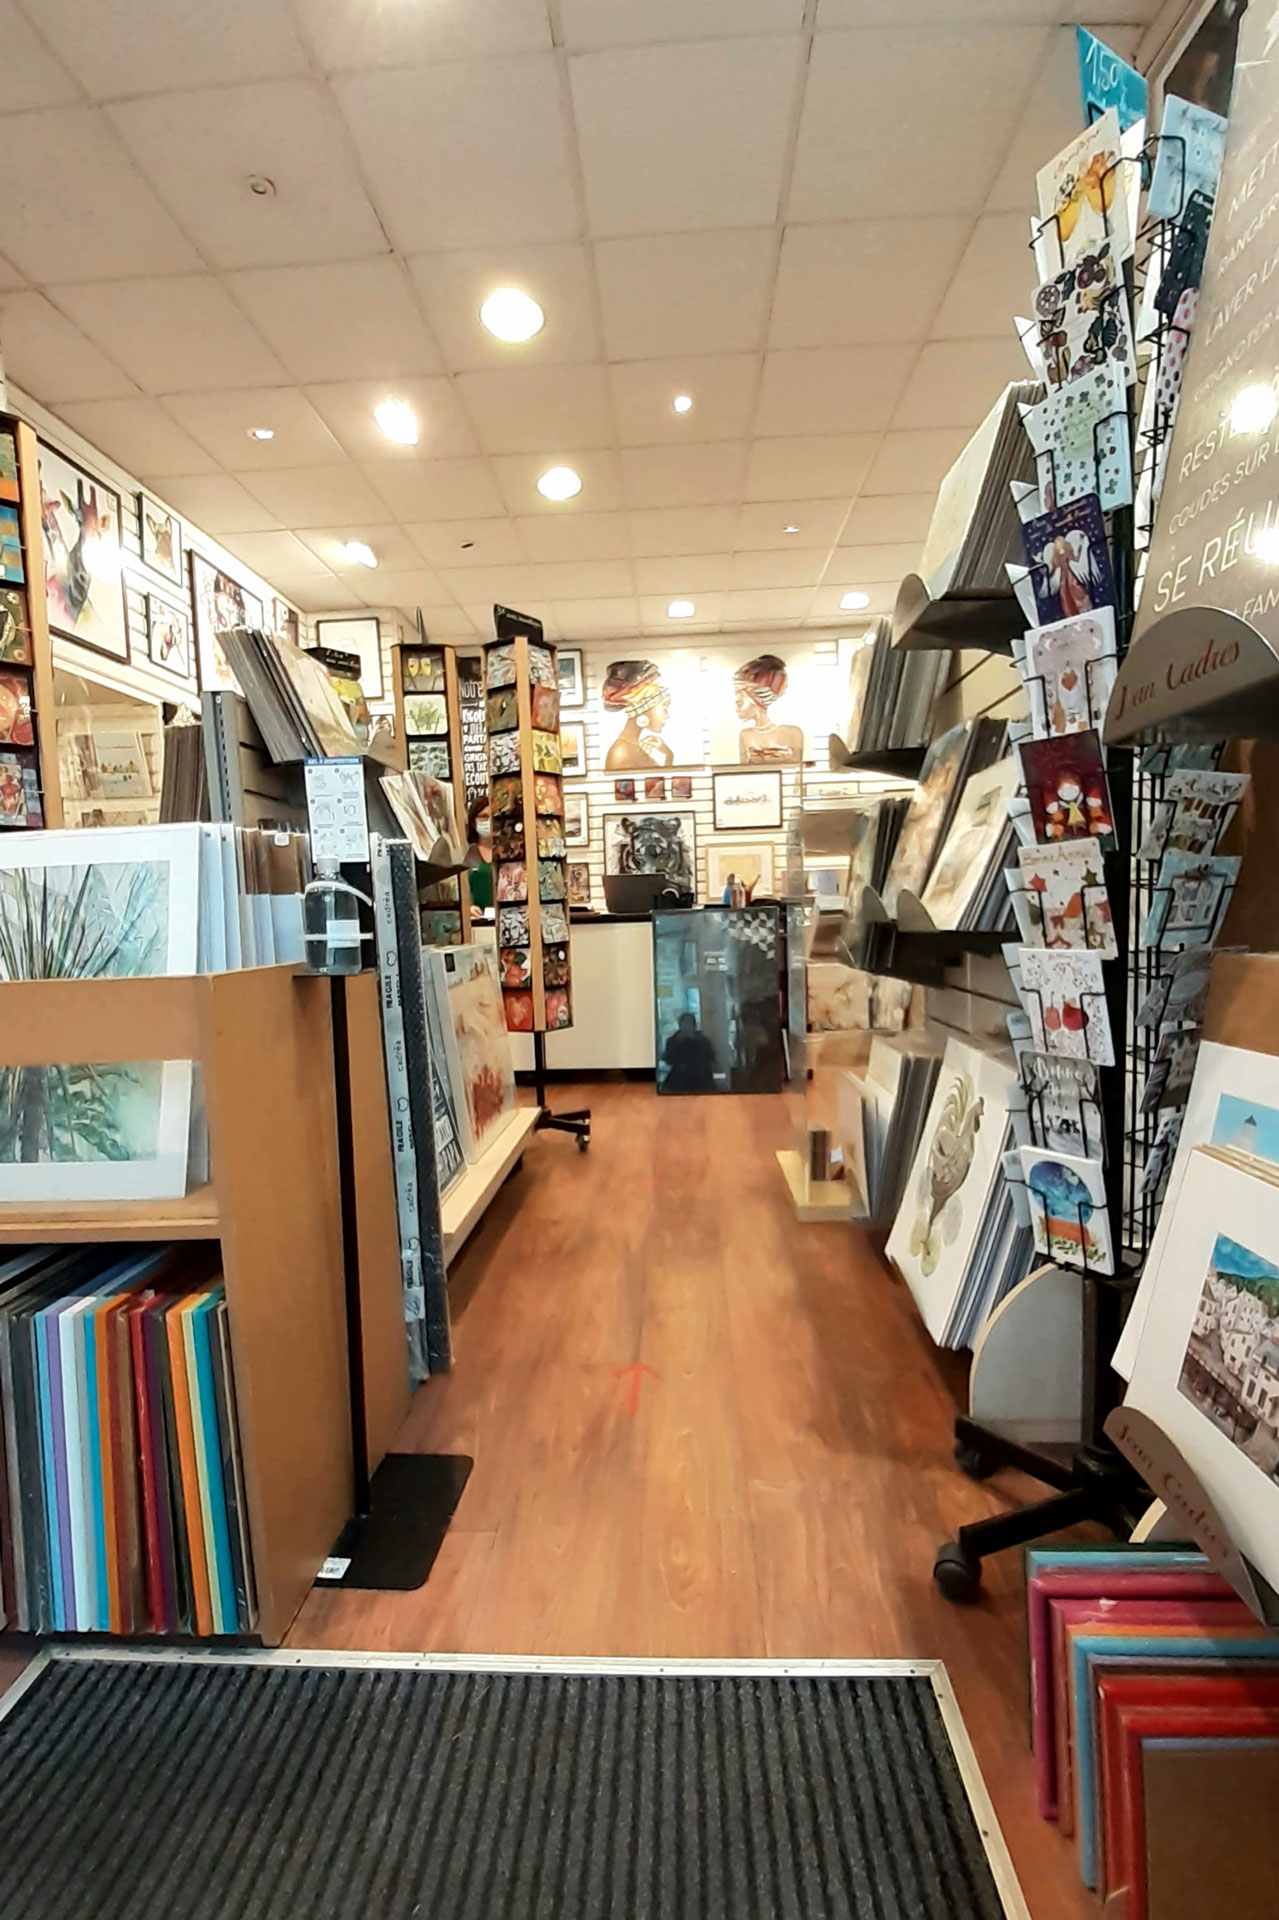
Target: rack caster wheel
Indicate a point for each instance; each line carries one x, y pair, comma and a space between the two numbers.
972, 1461
957, 1573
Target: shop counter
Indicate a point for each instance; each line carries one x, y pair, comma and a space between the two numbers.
612, 999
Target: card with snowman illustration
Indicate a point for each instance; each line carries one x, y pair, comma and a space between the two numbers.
1064, 994
1066, 786
1070, 673
1062, 899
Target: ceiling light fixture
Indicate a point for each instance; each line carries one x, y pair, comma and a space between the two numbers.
850, 602
683, 403
1252, 409
559, 483
512, 315
397, 421
680, 610
356, 554
261, 433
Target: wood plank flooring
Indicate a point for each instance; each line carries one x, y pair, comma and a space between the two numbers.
701, 1429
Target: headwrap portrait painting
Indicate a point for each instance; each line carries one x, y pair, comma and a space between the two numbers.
756, 686
635, 689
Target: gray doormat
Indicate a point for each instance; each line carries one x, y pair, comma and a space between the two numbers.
273, 1787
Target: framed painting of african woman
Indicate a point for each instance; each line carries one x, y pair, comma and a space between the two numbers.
764, 739
82, 556
650, 716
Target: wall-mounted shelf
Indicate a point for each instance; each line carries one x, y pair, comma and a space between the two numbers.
910, 947
902, 763
989, 620
195, 1217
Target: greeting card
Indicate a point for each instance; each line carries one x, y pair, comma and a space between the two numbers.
512, 882
545, 703
1063, 1101
546, 752
547, 794
1062, 901
426, 713
555, 966
1069, 560
15, 635
554, 923
506, 796
19, 792
1171, 1070
1190, 897
1083, 321
504, 753
518, 1009
541, 667
1067, 788
500, 666
424, 672
512, 926
1067, 1195
1070, 672
1179, 995
1083, 198
430, 757
1192, 146
550, 839
15, 710
1080, 434
516, 967
1162, 1148
551, 881
1194, 813
503, 710
1065, 999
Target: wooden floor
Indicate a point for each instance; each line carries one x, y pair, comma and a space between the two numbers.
700, 1429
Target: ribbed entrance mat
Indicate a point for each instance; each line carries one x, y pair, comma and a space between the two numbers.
273, 1788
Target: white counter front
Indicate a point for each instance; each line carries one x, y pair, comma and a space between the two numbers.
612, 1001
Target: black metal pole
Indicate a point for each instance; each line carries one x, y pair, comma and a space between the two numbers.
539, 1070
350, 1248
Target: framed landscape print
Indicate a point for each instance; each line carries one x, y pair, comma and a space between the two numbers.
82, 556
221, 603
161, 537
577, 820
572, 678
747, 802
752, 865
169, 637
573, 748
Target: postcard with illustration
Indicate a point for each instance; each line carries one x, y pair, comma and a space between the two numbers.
1069, 560
1191, 892
1082, 440
1067, 789
1083, 198
1194, 813
1062, 900
1070, 672
1064, 994
1067, 1194
1063, 1101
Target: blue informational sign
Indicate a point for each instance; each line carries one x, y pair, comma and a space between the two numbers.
1108, 81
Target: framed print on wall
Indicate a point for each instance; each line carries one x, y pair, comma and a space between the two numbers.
572, 678
161, 538
363, 637
577, 820
747, 802
752, 865
82, 556
220, 604
169, 637
663, 843
573, 748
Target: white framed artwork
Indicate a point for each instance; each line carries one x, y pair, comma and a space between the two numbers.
362, 637
752, 865
747, 802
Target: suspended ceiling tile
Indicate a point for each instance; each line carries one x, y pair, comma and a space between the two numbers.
673, 531
277, 557
863, 280
466, 154
351, 321
200, 151
914, 462
722, 388
995, 280
406, 587
707, 615
321, 593
888, 517
814, 390
780, 567
450, 623
30, 77
762, 525
684, 576
887, 132
680, 137
607, 23
825, 608
444, 431
139, 435
223, 423
351, 33
50, 358
149, 47
577, 536
74, 206
470, 543
218, 503
10, 278
453, 287
765, 604
317, 496
928, 13
524, 409
809, 466
613, 619
699, 476
599, 471
1051, 115
582, 580
394, 550
956, 382
180, 335
889, 561
676, 293
434, 489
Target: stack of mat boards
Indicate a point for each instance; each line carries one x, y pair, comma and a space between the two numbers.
184, 781
975, 528
1132, 1648
892, 1100
891, 693
122, 1500
870, 858
967, 889
968, 748
298, 710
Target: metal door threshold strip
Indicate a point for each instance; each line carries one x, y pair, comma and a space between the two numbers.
280, 1786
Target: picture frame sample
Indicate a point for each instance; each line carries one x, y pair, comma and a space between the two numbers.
742, 802
577, 820
364, 637
572, 677
647, 841
573, 748
473, 1023
161, 533
753, 865
80, 516
220, 604
169, 637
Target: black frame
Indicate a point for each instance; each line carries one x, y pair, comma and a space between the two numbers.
78, 639
737, 826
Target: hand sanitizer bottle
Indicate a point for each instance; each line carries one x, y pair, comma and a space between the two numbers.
331, 922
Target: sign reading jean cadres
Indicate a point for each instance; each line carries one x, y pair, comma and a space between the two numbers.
1205, 652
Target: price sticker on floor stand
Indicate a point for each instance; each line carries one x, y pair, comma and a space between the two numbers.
336, 810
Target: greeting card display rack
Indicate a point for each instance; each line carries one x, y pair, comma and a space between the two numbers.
426, 684
22, 573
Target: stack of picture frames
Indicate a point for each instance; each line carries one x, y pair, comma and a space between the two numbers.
428, 703
522, 690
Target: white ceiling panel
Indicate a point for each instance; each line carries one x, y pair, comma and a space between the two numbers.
709, 612
581, 580
29, 75
956, 382
394, 550
885, 518
818, 466
445, 432
322, 594
674, 293
523, 409
825, 608
761, 526
599, 471
722, 388
51, 359
140, 435
575, 536
152, 46
317, 496
698, 476
471, 543
673, 138
888, 562
767, 604
351, 33
277, 556
223, 424
791, 566
218, 503
434, 489
453, 286
813, 390
74, 206
681, 576
451, 623
995, 279
408, 587
10, 278
181, 335
915, 462
870, 140
597, 619
466, 154
658, 532
863, 280
348, 321
918, 13
200, 151
616, 23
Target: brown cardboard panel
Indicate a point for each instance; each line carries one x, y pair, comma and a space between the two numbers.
1212, 1838
1243, 1002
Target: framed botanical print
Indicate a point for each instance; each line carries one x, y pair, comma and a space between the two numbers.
169, 637
572, 677
747, 802
82, 556
221, 603
161, 538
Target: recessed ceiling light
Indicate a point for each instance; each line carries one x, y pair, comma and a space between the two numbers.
683, 403
559, 483
512, 315
850, 602
397, 421
680, 610
791, 528
261, 433
356, 554
1252, 409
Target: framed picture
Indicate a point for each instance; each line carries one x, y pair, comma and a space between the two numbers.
577, 820
286, 622
573, 748
363, 637
747, 801
169, 637
664, 843
752, 865
82, 556
121, 764
220, 604
161, 538
572, 678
